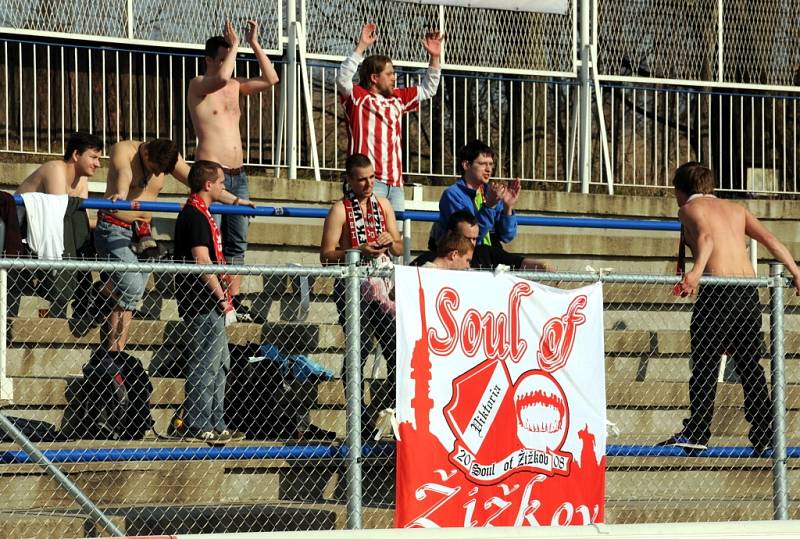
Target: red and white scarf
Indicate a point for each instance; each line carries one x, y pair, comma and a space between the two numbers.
361, 230
373, 289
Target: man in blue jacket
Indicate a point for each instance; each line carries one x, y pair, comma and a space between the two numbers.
492, 204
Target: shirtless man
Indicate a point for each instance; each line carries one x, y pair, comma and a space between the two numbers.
214, 108
365, 221
137, 172
67, 176
70, 175
725, 319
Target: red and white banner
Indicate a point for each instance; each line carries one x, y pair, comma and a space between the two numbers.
543, 6
500, 399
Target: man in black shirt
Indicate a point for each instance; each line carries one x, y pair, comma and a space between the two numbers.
203, 303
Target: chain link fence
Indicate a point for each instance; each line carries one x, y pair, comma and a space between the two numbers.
168, 23
304, 344
487, 38
753, 41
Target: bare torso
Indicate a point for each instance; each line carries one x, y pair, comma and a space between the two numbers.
144, 186
215, 117
55, 178
724, 221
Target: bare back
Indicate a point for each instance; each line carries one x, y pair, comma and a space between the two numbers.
215, 117
144, 185
54, 178
725, 223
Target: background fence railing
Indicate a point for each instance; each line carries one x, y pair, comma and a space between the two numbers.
278, 480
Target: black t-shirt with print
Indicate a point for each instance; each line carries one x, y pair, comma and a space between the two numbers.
192, 230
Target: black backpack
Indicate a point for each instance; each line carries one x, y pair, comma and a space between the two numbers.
34, 430
250, 394
112, 402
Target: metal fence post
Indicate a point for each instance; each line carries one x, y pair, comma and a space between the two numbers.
585, 145
352, 331
406, 241
6, 387
130, 19
291, 90
780, 502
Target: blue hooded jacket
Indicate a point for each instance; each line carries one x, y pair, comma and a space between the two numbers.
490, 219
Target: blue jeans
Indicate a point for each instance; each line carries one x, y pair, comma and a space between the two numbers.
114, 243
234, 227
207, 364
396, 196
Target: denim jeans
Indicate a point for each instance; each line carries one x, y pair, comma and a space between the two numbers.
114, 243
207, 364
375, 324
234, 227
396, 196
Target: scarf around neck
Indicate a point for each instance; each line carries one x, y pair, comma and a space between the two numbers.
363, 229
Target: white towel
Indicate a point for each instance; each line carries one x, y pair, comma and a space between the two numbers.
45, 214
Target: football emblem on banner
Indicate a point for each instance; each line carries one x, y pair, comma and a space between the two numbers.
501, 401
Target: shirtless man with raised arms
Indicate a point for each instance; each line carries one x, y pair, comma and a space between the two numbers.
725, 318
214, 108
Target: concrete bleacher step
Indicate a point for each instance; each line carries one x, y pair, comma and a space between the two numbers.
624, 394
33, 525
708, 479
638, 426
224, 518
655, 425
676, 369
668, 511
43, 360
275, 516
55, 332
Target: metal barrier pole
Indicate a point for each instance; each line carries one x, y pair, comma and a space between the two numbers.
6, 388
86, 504
291, 90
780, 502
352, 331
406, 241
585, 149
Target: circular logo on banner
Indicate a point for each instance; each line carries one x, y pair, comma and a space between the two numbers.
541, 410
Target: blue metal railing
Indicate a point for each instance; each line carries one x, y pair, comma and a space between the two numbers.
324, 451
412, 215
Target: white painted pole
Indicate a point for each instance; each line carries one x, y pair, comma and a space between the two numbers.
130, 19
291, 90
585, 152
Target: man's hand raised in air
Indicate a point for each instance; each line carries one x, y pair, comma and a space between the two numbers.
367, 38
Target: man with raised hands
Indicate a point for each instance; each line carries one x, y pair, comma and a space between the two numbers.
214, 109
375, 106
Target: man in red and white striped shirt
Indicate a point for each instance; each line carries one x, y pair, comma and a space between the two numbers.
374, 107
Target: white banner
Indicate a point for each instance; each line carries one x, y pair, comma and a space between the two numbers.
500, 400
542, 6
